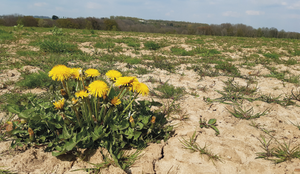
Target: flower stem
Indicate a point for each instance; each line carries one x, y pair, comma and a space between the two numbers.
130, 103
77, 116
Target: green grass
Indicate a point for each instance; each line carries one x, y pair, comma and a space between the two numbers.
58, 47
36, 80
102, 45
27, 53
169, 91
243, 113
150, 45
5, 36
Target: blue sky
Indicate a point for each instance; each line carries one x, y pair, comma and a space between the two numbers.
256, 13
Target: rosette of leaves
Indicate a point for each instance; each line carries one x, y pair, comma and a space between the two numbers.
131, 123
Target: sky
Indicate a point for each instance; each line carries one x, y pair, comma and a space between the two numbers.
256, 13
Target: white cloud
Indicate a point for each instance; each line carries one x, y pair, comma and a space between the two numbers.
92, 5
169, 13
294, 16
231, 14
252, 12
39, 4
268, 2
294, 6
59, 8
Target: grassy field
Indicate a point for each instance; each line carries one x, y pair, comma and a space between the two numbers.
212, 88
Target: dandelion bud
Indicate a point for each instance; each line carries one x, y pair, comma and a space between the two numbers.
31, 134
64, 93
153, 119
131, 120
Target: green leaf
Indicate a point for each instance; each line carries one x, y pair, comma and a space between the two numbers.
216, 129
66, 134
136, 135
58, 153
145, 119
17, 131
26, 114
124, 124
13, 109
70, 145
140, 125
50, 144
212, 121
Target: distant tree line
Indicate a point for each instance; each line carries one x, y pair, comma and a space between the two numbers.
121, 23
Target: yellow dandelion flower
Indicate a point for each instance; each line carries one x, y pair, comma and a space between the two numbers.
115, 101
153, 119
74, 101
92, 73
98, 88
126, 81
76, 73
82, 93
59, 104
113, 74
60, 73
142, 88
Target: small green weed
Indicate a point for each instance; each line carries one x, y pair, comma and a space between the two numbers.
170, 91
5, 36
228, 68
232, 86
181, 51
150, 45
291, 61
58, 47
27, 53
141, 70
212, 123
247, 114
35, 80
194, 147
280, 153
102, 45
57, 31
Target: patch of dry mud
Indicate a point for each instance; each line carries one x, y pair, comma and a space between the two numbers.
237, 143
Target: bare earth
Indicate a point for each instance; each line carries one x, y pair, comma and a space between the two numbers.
237, 143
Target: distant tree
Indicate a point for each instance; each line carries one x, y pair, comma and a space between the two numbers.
28, 21
54, 17
281, 34
259, 32
2, 22
111, 24
273, 32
